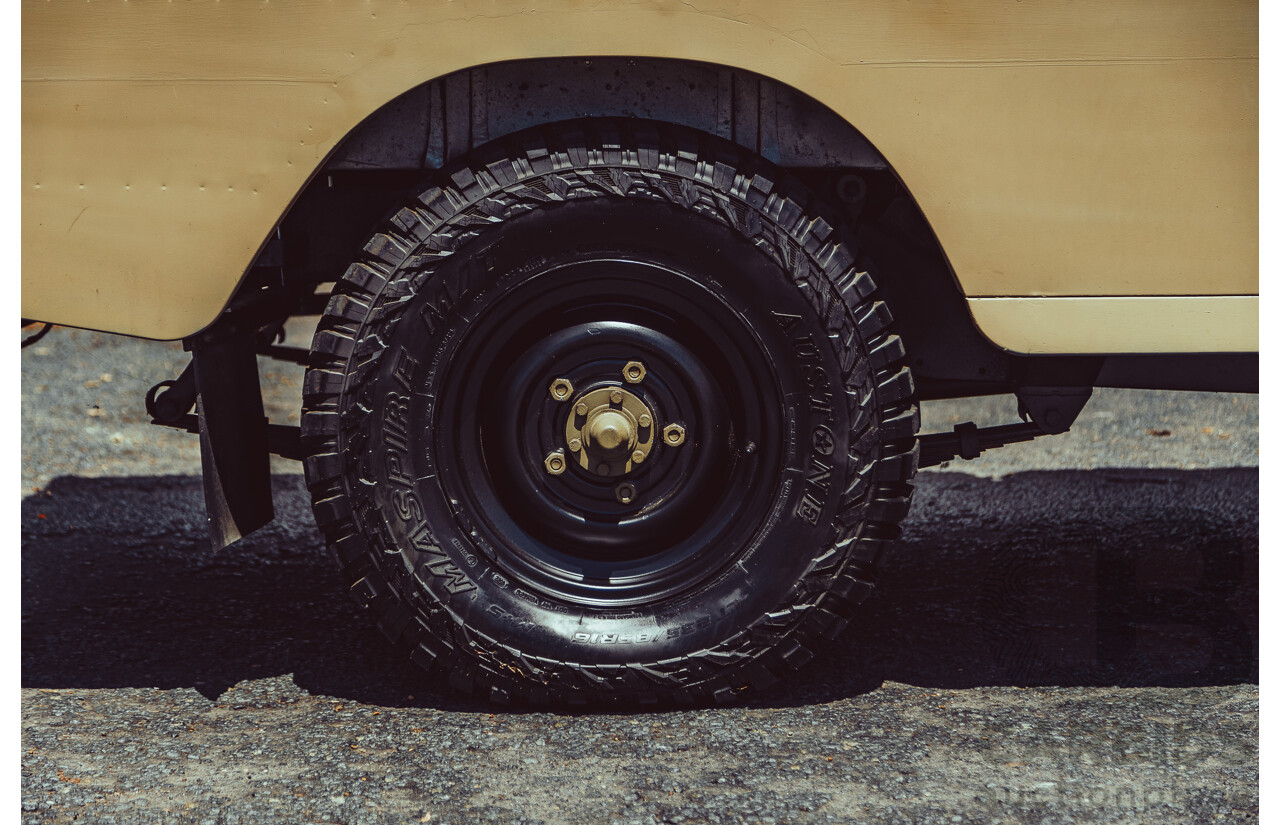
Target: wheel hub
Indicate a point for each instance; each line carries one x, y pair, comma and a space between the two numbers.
607, 431
610, 431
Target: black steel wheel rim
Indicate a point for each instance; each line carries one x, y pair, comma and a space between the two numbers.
697, 506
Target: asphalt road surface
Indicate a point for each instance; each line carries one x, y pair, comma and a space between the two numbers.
1066, 632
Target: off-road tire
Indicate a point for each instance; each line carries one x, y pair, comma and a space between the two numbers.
435, 580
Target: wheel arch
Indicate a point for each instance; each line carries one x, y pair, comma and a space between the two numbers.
385, 156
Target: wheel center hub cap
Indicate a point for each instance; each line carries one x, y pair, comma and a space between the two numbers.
610, 431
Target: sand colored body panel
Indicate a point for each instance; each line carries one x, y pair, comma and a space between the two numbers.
1057, 149
1105, 325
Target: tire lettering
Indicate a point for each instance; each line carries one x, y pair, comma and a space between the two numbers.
423, 541
395, 469
408, 507
822, 441
819, 474
437, 563
395, 420
726, 609
809, 509
448, 298
441, 349
403, 370
805, 349
821, 404
616, 638
455, 581
700, 623
523, 624
543, 604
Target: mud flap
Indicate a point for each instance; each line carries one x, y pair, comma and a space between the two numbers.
233, 435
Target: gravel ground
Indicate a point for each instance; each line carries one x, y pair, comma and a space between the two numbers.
1067, 632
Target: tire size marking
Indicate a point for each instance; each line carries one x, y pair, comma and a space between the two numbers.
700, 623
727, 607
615, 638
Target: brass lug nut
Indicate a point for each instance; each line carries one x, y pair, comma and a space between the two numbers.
581, 409
615, 396
575, 445
633, 372
561, 389
644, 420
555, 462
673, 435
637, 457
625, 492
